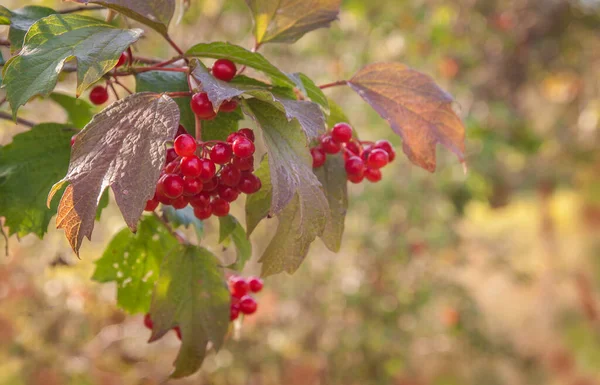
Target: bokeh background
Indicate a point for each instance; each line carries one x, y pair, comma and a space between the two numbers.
488, 278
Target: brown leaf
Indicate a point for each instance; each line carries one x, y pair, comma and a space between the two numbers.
416, 108
122, 147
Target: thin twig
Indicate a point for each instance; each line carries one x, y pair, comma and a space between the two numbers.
198, 128
80, 9
147, 60
334, 84
179, 94
2, 101
123, 86
22, 122
114, 90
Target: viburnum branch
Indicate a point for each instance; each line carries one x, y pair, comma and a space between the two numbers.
81, 9
334, 84
198, 128
179, 94
23, 122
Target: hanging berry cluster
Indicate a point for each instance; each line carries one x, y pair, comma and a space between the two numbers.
241, 299
363, 160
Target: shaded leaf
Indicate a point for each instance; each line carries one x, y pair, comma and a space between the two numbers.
336, 114
133, 262
285, 21
156, 14
310, 89
184, 217
191, 293
258, 205
104, 201
230, 228
29, 166
54, 39
416, 108
20, 20
123, 147
332, 176
79, 112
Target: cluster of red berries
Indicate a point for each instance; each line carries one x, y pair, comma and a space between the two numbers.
364, 160
149, 324
191, 179
99, 94
241, 299
225, 70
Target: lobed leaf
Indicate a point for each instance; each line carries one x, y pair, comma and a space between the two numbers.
133, 262
191, 293
231, 229
20, 20
310, 89
286, 21
258, 205
416, 108
332, 176
123, 147
79, 112
54, 39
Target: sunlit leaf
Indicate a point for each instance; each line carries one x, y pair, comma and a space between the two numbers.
20, 20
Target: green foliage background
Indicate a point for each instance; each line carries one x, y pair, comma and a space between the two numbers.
445, 279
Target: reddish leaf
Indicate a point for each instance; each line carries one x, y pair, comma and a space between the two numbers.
122, 147
416, 108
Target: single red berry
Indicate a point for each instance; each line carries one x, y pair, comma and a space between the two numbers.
229, 106
248, 305
211, 184
319, 157
230, 194
171, 185
239, 286
220, 207
387, 147
366, 152
122, 59
234, 312
162, 198
256, 284
171, 155
185, 145
98, 95
230, 176
207, 169
243, 147
202, 106
329, 145
224, 69
191, 166
377, 158
73, 140
200, 200
243, 164
355, 166
148, 321
248, 133
341, 133
203, 212
179, 203
181, 131
232, 137
249, 183
191, 186
356, 179
221, 153
173, 167
373, 175
178, 332
354, 147
152, 204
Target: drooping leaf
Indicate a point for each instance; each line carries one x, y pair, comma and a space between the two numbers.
156, 14
240, 56
336, 114
29, 166
191, 293
284, 91
310, 89
184, 217
133, 262
230, 228
332, 176
416, 108
20, 20
79, 112
258, 205
123, 147
286, 21
220, 127
50, 42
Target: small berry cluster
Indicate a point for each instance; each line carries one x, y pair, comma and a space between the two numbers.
191, 179
149, 324
363, 159
225, 70
99, 94
241, 300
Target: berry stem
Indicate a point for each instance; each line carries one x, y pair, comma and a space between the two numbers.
198, 128
113, 89
130, 58
23, 122
179, 94
334, 84
123, 86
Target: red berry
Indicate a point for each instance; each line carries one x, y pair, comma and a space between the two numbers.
220, 207
173, 167
366, 152
230, 176
354, 148
191, 186
98, 95
151, 205
211, 184
185, 145
229, 106
178, 332
191, 166
243, 147
248, 133
179, 203
256, 284
248, 305
202, 106
387, 147
319, 157
122, 59
341, 133
165, 200
249, 183
203, 212
243, 164
200, 200
239, 286
373, 175
230, 194
148, 321
221, 153
207, 169
171, 155
232, 137
224, 69
234, 312
73, 139
171, 185
356, 179
329, 145
355, 166
377, 158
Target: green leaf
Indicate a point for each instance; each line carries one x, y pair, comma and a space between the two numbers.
240, 56
133, 262
297, 195
286, 21
191, 293
156, 14
336, 114
29, 166
230, 228
184, 217
79, 112
56, 38
333, 178
310, 89
5, 15
220, 127
284, 91
21, 20
258, 205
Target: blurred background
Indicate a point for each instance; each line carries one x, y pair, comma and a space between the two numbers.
488, 278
